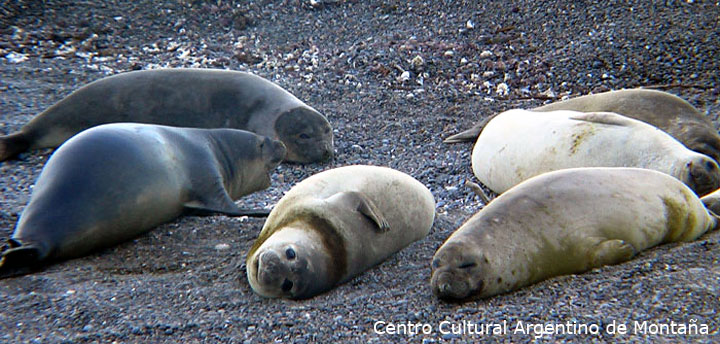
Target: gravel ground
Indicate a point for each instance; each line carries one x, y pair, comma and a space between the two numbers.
393, 78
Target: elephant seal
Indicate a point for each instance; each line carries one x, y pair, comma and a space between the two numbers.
335, 225
197, 98
113, 182
663, 110
519, 144
565, 222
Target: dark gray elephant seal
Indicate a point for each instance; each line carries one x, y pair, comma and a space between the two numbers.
565, 222
335, 225
663, 110
196, 98
113, 182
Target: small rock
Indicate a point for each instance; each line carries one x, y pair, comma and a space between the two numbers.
405, 76
222, 247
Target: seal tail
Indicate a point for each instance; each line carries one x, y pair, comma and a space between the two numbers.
19, 259
12, 145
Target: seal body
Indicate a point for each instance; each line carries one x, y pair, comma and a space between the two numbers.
519, 144
198, 98
712, 201
565, 222
335, 225
663, 110
113, 182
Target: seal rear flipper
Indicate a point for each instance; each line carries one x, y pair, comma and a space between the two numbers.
610, 252
12, 145
609, 118
358, 201
19, 259
471, 134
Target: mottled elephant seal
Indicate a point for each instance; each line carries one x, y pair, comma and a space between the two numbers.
335, 225
113, 182
565, 222
666, 111
197, 98
519, 144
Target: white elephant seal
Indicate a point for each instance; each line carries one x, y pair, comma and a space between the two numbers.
565, 222
663, 110
519, 144
335, 225
197, 98
113, 182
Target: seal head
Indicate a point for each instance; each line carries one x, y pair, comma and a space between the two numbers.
702, 175
307, 135
293, 266
458, 271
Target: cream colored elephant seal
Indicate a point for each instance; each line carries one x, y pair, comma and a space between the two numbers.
519, 144
333, 226
565, 222
666, 111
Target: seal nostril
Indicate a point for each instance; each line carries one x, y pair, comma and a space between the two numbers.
287, 285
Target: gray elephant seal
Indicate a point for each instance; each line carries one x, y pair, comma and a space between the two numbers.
519, 144
197, 98
335, 225
113, 182
565, 222
663, 110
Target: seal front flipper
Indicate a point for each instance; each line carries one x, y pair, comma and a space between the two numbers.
19, 259
609, 118
358, 201
203, 206
12, 145
610, 252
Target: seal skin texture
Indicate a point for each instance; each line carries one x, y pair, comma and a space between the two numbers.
565, 222
334, 225
113, 182
197, 98
712, 201
663, 110
519, 144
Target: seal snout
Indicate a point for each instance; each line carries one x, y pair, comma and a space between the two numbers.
456, 273
704, 175
269, 268
274, 151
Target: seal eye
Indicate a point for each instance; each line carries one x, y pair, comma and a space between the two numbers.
468, 265
290, 253
709, 166
287, 285
304, 136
